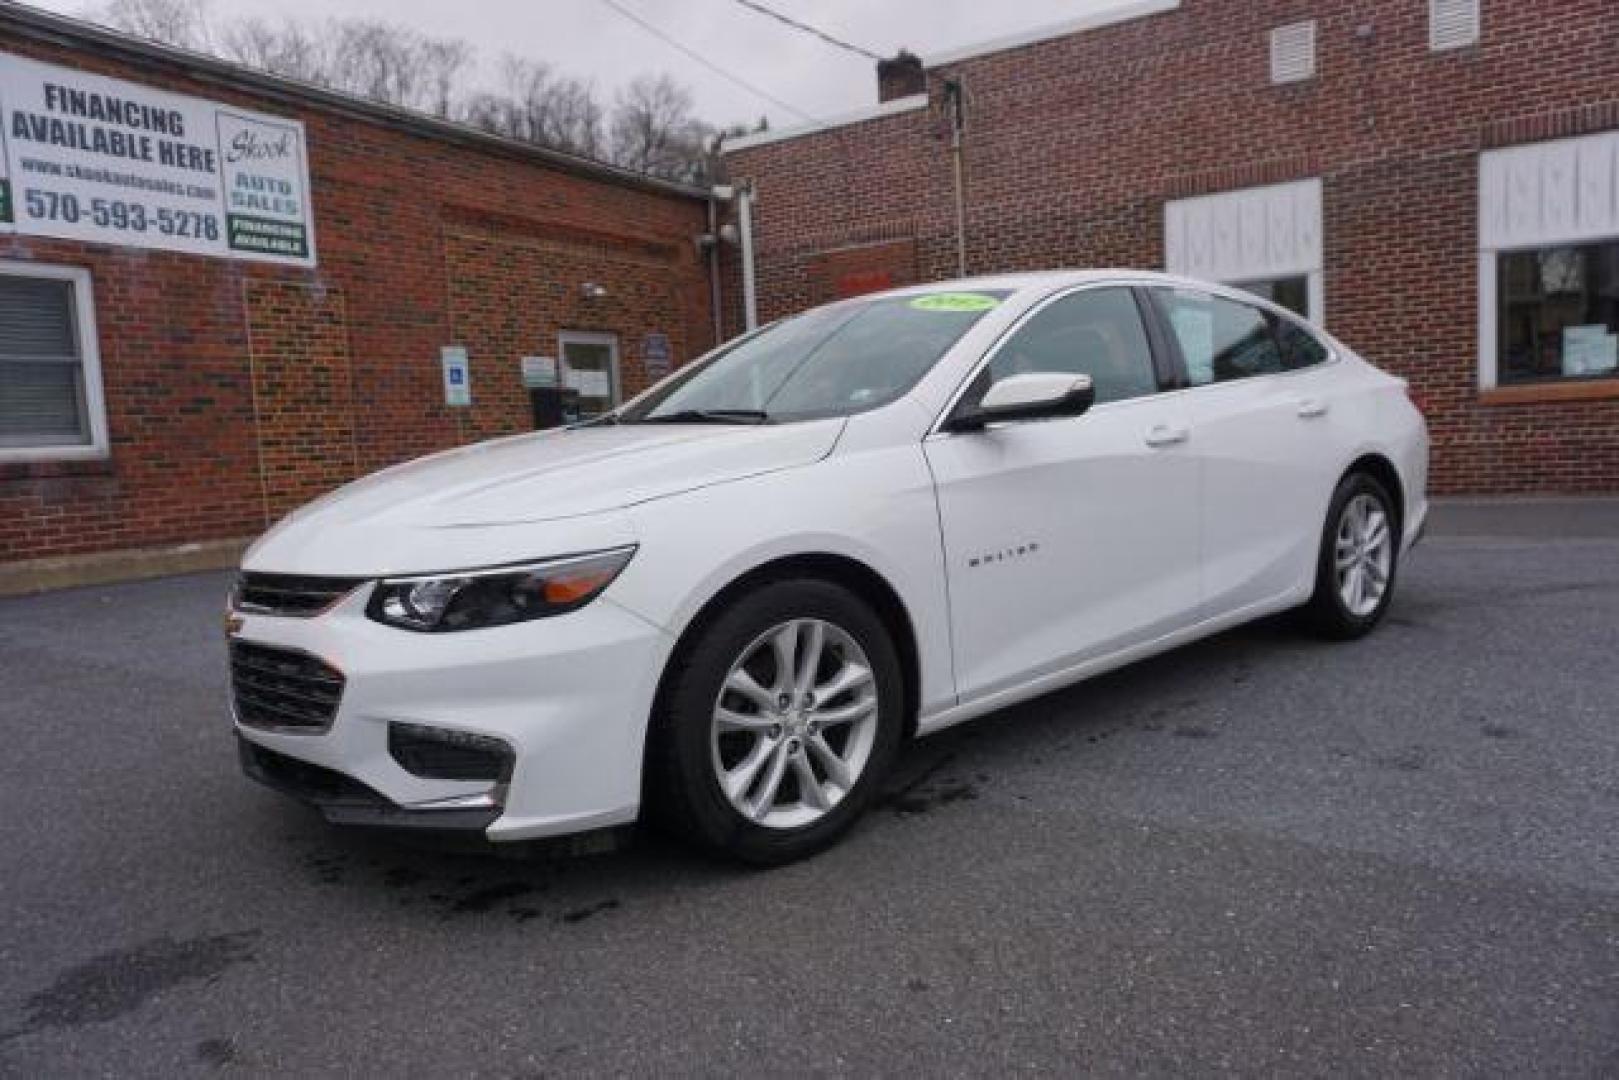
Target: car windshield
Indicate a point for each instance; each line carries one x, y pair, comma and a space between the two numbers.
833, 361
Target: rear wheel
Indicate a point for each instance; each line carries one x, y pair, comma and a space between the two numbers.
777, 723
1359, 555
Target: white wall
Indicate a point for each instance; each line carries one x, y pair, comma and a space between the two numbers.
1253, 234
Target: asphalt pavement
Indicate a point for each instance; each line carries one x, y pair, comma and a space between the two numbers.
1260, 854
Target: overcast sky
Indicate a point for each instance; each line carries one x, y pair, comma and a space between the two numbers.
588, 39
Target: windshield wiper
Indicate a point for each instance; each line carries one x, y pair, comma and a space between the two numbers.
710, 416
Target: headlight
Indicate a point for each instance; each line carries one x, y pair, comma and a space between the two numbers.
495, 597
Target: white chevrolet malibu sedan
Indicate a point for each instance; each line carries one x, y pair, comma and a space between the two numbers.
724, 606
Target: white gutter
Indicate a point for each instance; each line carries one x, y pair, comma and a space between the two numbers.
831, 123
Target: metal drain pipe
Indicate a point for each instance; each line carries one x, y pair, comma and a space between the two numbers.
744, 218
953, 95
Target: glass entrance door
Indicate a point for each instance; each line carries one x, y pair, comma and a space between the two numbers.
589, 368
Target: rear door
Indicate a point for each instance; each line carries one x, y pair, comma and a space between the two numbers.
1072, 538
1259, 398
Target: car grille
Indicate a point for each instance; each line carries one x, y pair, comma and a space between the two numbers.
282, 689
295, 595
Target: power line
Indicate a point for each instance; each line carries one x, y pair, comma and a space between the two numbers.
709, 64
753, 5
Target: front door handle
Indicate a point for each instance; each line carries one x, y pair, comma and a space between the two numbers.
1310, 408
1167, 435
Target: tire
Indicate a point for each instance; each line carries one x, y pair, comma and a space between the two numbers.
1335, 611
704, 729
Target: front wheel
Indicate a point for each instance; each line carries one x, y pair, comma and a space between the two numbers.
1360, 548
777, 723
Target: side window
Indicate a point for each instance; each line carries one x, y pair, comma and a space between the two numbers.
1096, 332
1300, 348
1221, 340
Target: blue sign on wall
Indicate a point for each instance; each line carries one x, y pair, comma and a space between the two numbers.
457, 375
656, 356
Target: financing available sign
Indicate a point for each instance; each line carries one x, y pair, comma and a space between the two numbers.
83, 157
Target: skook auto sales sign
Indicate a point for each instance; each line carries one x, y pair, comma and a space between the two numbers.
111, 162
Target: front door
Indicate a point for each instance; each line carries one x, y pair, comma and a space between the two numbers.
1073, 538
588, 372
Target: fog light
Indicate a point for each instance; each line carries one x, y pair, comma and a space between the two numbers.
434, 753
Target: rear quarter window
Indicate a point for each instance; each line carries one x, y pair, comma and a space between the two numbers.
1300, 347
1220, 340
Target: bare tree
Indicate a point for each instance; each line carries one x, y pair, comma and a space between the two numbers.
394, 64
290, 49
536, 105
181, 23
654, 132
650, 128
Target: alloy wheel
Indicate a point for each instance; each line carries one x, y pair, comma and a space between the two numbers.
1363, 555
794, 723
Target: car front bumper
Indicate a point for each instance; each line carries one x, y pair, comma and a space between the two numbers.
569, 696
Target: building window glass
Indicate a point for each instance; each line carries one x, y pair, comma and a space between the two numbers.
1559, 313
50, 394
1293, 293
589, 372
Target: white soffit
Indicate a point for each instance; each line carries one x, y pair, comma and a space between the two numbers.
1560, 192
1252, 234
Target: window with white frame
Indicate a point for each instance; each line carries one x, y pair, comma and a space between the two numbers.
50, 372
1452, 24
1292, 52
1549, 262
1265, 239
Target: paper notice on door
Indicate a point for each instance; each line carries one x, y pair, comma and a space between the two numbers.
1589, 350
539, 371
589, 383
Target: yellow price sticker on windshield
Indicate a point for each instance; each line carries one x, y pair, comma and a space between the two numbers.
954, 301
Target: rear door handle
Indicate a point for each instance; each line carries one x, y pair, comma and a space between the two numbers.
1167, 435
1310, 408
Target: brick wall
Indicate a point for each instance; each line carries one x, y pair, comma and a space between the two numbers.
303, 391
237, 390
1073, 146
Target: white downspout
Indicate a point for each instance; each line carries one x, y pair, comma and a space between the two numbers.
744, 217
715, 302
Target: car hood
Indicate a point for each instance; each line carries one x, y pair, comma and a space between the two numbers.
544, 477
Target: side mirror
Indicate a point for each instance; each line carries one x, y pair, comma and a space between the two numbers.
1037, 396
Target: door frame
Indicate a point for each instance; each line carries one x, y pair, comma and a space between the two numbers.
593, 337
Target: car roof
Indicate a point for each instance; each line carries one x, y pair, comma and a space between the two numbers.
1037, 280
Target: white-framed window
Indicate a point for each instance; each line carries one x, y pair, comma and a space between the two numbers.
1264, 239
587, 364
1452, 24
51, 406
1292, 52
1548, 300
